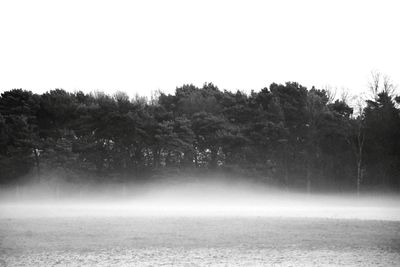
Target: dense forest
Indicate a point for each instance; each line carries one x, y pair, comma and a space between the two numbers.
285, 135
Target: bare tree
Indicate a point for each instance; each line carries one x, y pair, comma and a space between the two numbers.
345, 95
358, 147
381, 84
388, 87
356, 139
330, 93
373, 84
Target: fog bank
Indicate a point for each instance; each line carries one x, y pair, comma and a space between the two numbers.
195, 198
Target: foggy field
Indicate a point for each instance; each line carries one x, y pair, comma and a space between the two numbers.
195, 198
186, 241
200, 225
199, 133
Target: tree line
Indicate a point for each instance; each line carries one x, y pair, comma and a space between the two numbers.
285, 135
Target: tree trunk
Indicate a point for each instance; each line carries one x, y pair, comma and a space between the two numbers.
188, 158
214, 154
360, 140
196, 163
37, 163
156, 158
358, 177
138, 157
168, 159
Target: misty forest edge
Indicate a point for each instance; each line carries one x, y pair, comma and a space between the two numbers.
285, 135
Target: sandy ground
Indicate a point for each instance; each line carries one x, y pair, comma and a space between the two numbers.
188, 241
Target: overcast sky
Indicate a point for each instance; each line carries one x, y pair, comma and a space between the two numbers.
143, 46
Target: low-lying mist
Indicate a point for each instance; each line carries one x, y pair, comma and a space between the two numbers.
193, 197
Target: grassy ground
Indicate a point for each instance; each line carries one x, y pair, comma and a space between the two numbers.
186, 241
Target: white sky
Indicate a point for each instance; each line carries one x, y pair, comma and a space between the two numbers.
142, 46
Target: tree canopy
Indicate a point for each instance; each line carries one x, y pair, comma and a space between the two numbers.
285, 134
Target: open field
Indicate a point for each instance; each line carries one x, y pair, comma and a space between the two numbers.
201, 241
202, 226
